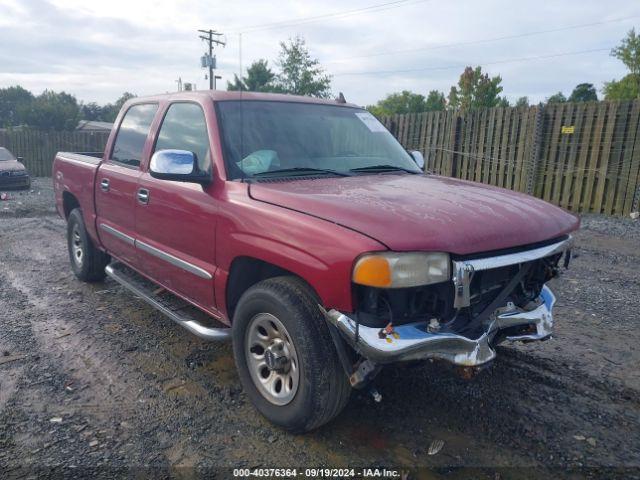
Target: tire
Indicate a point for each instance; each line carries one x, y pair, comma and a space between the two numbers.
87, 262
322, 389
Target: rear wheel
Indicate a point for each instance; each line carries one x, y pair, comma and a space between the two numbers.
87, 262
286, 359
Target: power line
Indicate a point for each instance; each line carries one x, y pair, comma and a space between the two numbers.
212, 38
448, 67
344, 13
486, 40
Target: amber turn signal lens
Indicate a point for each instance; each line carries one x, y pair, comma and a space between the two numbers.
373, 271
402, 269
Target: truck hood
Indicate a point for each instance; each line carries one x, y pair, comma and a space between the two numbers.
10, 165
423, 212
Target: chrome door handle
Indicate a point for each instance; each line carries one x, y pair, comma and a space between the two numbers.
143, 196
104, 184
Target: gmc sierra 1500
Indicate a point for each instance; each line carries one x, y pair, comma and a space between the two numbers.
303, 231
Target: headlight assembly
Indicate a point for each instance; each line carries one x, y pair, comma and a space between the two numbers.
401, 270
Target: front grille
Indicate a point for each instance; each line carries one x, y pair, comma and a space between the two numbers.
486, 285
13, 181
376, 306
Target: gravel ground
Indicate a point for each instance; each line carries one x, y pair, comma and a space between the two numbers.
93, 380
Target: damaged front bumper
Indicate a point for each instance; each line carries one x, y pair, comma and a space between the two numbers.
413, 341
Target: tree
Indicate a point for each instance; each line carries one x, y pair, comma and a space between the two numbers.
628, 52
403, 102
522, 102
110, 110
54, 111
475, 90
259, 78
503, 102
15, 103
584, 92
625, 89
299, 73
557, 98
436, 101
236, 85
91, 111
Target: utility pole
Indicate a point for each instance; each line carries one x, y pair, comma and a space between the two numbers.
212, 38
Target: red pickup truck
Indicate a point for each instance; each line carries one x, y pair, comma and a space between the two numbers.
302, 230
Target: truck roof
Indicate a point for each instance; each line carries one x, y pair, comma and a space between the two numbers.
221, 95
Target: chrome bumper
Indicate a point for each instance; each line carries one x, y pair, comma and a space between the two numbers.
413, 341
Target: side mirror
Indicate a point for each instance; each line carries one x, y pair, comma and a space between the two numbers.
178, 165
418, 158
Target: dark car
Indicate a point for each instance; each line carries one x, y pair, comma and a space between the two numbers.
12, 171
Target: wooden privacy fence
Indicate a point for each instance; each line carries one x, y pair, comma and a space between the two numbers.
39, 148
582, 156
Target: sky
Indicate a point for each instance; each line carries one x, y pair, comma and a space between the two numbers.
98, 49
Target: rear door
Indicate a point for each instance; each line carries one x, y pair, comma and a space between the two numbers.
117, 183
176, 221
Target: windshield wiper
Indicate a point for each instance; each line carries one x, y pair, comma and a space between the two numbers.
300, 171
383, 168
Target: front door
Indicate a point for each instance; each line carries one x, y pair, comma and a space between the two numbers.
175, 221
117, 183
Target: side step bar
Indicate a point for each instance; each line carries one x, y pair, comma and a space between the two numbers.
171, 308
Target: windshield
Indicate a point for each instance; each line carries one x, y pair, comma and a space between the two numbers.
260, 137
5, 155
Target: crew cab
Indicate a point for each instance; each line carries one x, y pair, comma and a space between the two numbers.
301, 230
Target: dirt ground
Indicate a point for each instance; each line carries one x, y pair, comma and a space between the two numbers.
92, 379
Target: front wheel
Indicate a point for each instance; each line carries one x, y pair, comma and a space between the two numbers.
87, 262
285, 357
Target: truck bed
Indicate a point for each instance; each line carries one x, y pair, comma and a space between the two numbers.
75, 174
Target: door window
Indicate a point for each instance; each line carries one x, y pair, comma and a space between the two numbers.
133, 133
184, 128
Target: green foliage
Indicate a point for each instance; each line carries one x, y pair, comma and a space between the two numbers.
54, 111
408, 102
91, 111
475, 90
628, 52
106, 113
584, 92
259, 78
503, 102
299, 73
436, 101
236, 85
110, 111
522, 102
403, 102
557, 98
15, 103
626, 89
